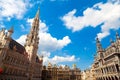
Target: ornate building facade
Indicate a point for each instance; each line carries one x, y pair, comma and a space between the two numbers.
107, 61
19, 62
53, 72
88, 74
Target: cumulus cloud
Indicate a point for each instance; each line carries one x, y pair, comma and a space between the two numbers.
58, 59
13, 8
48, 44
106, 14
22, 39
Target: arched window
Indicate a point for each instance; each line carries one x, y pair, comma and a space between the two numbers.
117, 67
116, 78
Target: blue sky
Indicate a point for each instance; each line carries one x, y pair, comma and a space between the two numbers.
68, 28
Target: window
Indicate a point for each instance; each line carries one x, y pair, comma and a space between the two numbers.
117, 67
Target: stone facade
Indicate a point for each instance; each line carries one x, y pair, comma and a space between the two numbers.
107, 61
88, 74
53, 72
19, 62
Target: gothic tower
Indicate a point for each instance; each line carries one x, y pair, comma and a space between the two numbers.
98, 44
32, 40
5, 38
100, 51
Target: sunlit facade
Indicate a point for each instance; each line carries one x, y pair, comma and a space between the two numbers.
18, 62
107, 61
54, 72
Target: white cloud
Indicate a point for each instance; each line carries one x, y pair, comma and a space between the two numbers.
45, 53
48, 44
107, 14
102, 35
58, 59
63, 59
13, 8
22, 39
114, 1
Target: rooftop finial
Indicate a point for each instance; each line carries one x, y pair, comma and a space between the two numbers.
117, 35
98, 44
97, 40
11, 29
38, 13
111, 41
49, 64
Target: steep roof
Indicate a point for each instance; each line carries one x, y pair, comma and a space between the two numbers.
19, 48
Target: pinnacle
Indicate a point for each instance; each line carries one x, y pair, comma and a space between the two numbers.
11, 29
38, 13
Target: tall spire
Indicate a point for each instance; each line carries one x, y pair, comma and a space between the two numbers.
98, 44
32, 40
32, 37
38, 13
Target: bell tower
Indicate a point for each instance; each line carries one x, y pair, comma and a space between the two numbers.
32, 40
